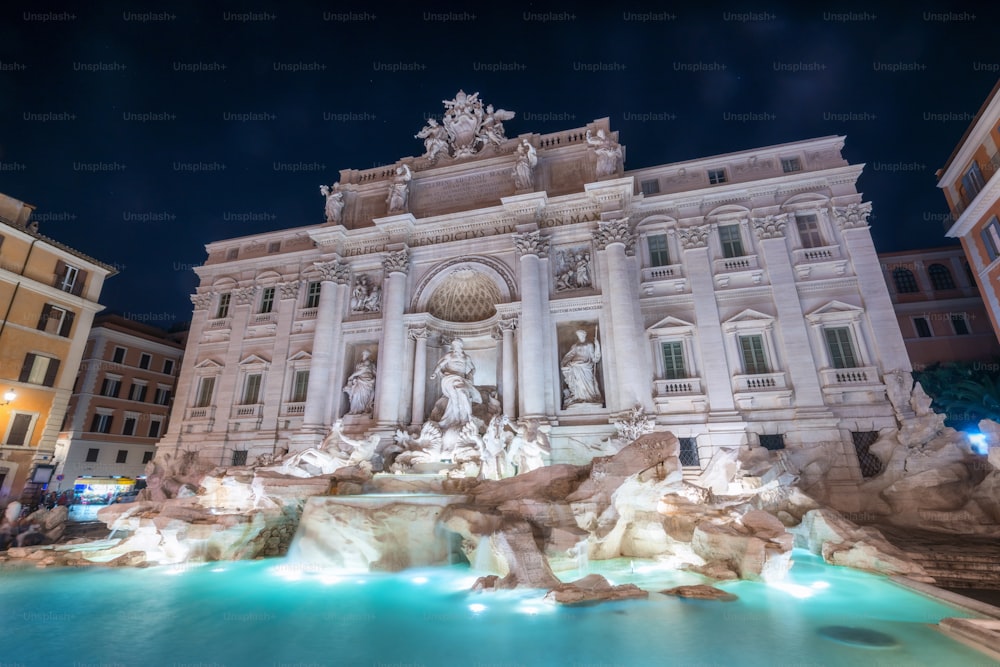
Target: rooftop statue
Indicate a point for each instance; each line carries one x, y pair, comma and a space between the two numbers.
466, 128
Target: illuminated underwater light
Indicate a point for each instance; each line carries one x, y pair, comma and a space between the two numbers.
978, 443
820, 585
419, 580
795, 590
476, 608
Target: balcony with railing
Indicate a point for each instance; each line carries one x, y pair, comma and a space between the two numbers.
247, 411
654, 273
200, 413
735, 264
833, 377
812, 255
220, 323
293, 409
762, 391
679, 395
306, 314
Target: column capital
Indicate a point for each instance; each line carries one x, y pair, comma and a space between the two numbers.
334, 271
852, 215
695, 236
508, 323
770, 226
614, 231
243, 296
289, 290
397, 261
203, 300
531, 243
417, 333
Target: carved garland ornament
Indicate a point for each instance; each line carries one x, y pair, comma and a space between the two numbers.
853, 215
770, 226
289, 290
531, 243
614, 231
694, 237
244, 296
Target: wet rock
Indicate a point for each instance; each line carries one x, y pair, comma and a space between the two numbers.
700, 592
591, 589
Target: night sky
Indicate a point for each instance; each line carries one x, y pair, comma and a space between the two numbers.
141, 133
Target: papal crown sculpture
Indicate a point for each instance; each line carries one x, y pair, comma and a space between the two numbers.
466, 128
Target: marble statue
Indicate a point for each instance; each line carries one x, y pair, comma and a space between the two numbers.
366, 296
399, 191
579, 366
360, 387
334, 202
524, 168
493, 459
529, 448
609, 153
491, 131
335, 452
456, 371
435, 140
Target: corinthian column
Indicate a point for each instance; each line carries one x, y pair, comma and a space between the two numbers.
392, 350
532, 246
633, 374
419, 337
333, 291
509, 375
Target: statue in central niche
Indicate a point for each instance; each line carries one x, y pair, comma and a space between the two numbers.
456, 371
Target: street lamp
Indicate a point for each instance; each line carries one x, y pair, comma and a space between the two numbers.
9, 396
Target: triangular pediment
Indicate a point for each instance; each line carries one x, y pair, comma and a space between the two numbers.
749, 315
300, 356
836, 307
208, 363
671, 322
253, 359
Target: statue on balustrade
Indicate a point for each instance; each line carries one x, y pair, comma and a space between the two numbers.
579, 371
399, 191
360, 387
456, 371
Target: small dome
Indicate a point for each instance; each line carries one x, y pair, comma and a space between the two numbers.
465, 296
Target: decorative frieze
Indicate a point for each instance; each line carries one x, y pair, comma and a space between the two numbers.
244, 296
531, 243
289, 290
853, 215
396, 262
694, 237
615, 231
366, 296
573, 269
770, 226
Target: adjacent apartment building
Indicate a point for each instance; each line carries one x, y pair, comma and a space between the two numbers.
121, 401
970, 185
48, 297
941, 314
738, 299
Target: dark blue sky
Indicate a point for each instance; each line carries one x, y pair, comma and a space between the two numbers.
108, 111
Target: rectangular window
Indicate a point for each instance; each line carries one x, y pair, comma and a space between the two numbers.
973, 181
205, 390
267, 300
137, 392
55, 320
312, 295
20, 429
251, 390
838, 343
101, 423
147, 457
772, 442
128, 428
240, 457
658, 255
752, 351
168, 366
111, 387
689, 452
922, 326
809, 231
67, 277
650, 187
162, 396
119, 355
960, 324
39, 370
300, 386
92, 455
870, 464
122, 456
144, 360
673, 361
790, 164
716, 176
732, 242
991, 238
223, 309
154, 428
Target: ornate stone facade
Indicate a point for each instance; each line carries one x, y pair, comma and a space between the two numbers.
729, 321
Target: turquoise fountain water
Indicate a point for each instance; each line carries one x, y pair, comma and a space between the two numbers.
270, 612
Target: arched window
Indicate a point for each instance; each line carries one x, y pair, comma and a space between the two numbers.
940, 277
905, 281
